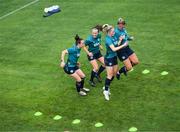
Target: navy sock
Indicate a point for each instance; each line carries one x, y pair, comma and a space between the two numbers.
82, 82
107, 83
122, 70
101, 69
93, 74
112, 78
78, 86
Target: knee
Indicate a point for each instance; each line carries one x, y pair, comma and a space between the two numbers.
83, 78
110, 76
78, 79
129, 67
103, 65
135, 62
95, 68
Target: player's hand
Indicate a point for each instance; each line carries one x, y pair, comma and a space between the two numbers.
122, 37
62, 64
125, 44
78, 64
131, 38
90, 54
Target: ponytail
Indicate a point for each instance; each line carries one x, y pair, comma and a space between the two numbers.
98, 27
106, 28
77, 39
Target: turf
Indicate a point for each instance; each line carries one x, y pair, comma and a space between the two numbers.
31, 80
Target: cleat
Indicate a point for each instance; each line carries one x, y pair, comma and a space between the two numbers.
85, 89
92, 83
108, 90
106, 95
82, 93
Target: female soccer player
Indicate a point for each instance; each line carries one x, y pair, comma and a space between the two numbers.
71, 66
112, 45
126, 55
92, 48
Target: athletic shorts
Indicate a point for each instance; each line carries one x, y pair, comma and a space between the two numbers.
111, 61
124, 53
95, 56
70, 70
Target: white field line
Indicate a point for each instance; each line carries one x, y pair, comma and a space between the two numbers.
12, 12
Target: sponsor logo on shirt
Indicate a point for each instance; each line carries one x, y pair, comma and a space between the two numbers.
96, 44
116, 42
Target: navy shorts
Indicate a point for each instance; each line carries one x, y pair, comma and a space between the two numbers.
70, 70
95, 56
111, 61
124, 53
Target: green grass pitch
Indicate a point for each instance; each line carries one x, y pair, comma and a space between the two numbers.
31, 80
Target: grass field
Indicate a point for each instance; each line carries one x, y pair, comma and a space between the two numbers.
30, 79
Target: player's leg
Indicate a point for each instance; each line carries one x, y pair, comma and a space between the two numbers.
82, 76
110, 64
127, 66
114, 72
93, 72
134, 59
132, 56
80, 73
102, 67
123, 57
109, 78
78, 83
115, 69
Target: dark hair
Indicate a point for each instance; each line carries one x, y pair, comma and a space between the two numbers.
77, 39
121, 22
124, 23
98, 27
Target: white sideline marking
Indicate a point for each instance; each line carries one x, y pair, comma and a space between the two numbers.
12, 12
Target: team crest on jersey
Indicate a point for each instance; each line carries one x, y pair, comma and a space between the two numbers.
123, 57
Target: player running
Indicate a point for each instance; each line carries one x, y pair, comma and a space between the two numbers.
126, 55
71, 66
112, 45
92, 48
